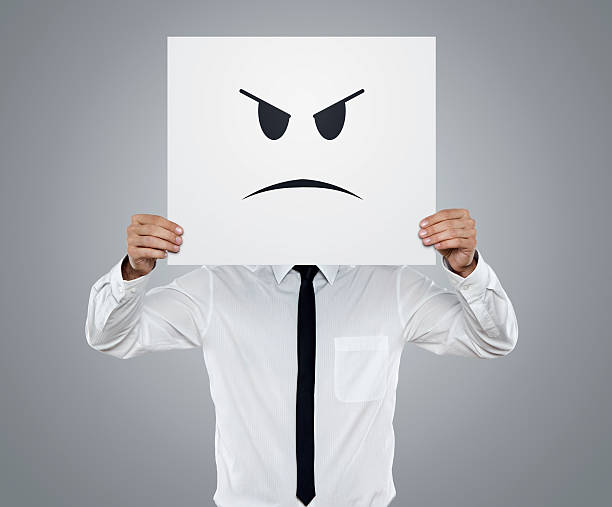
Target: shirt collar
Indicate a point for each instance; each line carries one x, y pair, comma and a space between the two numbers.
329, 271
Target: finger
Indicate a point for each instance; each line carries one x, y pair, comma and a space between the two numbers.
157, 220
469, 244
152, 242
157, 231
445, 214
146, 253
446, 224
449, 234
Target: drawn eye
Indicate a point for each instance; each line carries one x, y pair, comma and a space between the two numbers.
272, 120
330, 121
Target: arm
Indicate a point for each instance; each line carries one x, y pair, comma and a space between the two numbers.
474, 319
125, 320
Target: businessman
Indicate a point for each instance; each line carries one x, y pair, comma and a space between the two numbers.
303, 360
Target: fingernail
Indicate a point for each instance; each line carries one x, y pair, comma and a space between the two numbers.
427, 240
424, 223
179, 239
165, 253
179, 230
437, 245
422, 232
175, 248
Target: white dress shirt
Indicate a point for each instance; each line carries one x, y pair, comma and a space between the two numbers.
245, 320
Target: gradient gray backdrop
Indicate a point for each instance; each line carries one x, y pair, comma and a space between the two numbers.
523, 142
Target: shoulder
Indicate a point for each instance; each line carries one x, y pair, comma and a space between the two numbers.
236, 274
401, 277
389, 274
380, 270
200, 283
193, 282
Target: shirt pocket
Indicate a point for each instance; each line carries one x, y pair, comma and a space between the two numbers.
360, 367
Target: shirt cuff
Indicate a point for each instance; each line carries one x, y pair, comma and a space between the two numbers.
475, 284
130, 288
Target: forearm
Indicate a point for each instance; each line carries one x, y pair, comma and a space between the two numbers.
128, 272
124, 319
486, 324
114, 313
467, 270
476, 318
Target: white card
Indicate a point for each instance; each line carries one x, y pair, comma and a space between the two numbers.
301, 150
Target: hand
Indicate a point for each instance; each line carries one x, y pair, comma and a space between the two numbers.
453, 233
149, 237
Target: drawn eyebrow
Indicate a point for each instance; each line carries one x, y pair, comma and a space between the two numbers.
261, 101
341, 101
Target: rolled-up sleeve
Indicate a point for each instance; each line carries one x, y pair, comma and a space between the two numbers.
125, 320
474, 318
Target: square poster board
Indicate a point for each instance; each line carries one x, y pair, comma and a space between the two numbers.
301, 150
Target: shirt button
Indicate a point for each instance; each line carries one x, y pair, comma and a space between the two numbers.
132, 291
467, 286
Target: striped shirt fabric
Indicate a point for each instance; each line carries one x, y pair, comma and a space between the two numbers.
243, 318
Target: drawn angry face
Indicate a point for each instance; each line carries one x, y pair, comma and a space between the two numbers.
274, 122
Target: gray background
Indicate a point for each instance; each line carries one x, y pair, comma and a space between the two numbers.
523, 142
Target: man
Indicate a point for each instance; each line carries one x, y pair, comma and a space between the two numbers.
330, 442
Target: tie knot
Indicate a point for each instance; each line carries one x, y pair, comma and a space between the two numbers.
307, 272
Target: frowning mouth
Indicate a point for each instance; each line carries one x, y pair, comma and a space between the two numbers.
302, 183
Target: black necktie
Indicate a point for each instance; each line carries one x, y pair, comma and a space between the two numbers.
304, 420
